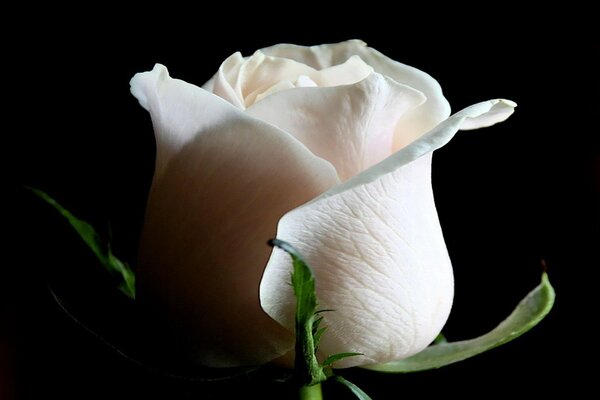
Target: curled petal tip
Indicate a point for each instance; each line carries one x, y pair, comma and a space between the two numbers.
144, 83
499, 110
508, 102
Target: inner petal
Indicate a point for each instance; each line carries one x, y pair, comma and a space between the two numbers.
260, 72
351, 71
351, 126
414, 123
243, 82
305, 81
222, 83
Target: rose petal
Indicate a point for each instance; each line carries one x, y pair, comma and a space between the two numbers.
228, 180
414, 123
259, 72
481, 114
318, 57
500, 110
352, 126
351, 71
380, 262
221, 82
243, 81
177, 109
377, 249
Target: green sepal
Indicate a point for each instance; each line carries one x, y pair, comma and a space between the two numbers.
117, 268
528, 313
309, 371
353, 388
336, 357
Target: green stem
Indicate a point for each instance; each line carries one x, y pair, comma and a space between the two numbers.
311, 392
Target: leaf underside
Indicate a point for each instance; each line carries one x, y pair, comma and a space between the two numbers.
528, 313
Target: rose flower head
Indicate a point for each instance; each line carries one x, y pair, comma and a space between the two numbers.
326, 147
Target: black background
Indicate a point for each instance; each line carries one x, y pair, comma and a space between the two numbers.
507, 196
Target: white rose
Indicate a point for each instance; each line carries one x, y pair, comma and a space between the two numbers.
326, 147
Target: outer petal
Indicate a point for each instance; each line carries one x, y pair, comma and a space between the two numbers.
228, 180
414, 123
178, 111
478, 115
377, 249
351, 126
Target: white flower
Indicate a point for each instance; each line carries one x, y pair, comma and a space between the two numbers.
326, 147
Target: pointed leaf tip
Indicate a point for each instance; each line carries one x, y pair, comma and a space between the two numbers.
336, 357
285, 246
358, 392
